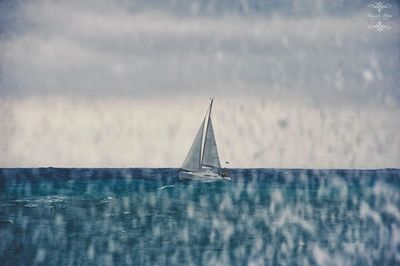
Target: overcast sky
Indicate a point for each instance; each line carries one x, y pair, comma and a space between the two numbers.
315, 55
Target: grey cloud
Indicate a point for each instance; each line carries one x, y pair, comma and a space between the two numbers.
80, 81
146, 50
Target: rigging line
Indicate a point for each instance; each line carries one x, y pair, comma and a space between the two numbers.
220, 133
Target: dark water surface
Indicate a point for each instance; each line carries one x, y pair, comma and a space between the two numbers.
52, 216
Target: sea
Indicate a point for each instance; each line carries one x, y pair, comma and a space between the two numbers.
143, 216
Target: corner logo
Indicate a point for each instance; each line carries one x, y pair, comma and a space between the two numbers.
379, 26
379, 6
379, 17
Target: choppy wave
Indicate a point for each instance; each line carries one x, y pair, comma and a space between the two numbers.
149, 217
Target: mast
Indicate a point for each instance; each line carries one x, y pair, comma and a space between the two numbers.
208, 122
203, 138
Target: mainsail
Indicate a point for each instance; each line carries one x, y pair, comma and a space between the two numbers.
210, 152
193, 158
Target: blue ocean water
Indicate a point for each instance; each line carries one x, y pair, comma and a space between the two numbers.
53, 216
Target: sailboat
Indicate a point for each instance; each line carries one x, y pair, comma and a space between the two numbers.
202, 161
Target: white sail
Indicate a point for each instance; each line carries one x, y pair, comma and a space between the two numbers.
210, 153
192, 160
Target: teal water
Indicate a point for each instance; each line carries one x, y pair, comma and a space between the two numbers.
51, 216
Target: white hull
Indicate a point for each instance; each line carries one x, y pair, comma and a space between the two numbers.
205, 176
